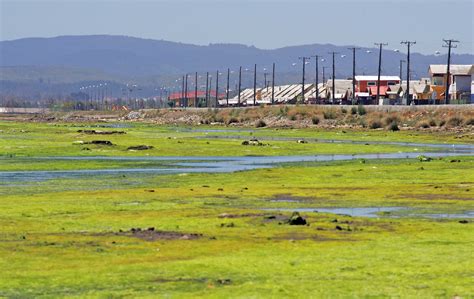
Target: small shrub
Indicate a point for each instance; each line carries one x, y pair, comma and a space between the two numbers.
232, 120
315, 120
293, 117
361, 110
454, 122
353, 110
260, 124
432, 123
469, 122
393, 126
375, 124
423, 125
442, 123
391, 119
343, 110
329, 114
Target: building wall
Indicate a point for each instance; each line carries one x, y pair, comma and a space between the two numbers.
463, 83
362, 86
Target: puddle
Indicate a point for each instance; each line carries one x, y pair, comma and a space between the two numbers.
372, 212
378, 212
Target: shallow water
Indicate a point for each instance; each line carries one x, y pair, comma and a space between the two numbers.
207, 164
444, 146
375, 212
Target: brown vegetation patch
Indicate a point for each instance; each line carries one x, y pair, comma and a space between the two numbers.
227, 215
428, 196
151, 234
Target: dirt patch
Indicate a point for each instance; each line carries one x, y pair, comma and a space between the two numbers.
150, 234
139, 147
97, 132
99, 142
180, 279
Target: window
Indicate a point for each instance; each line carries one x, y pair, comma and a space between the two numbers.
371, 83
438, 80
391, 83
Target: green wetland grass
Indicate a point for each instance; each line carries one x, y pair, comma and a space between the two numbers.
213, 235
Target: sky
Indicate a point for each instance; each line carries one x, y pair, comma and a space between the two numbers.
265, 24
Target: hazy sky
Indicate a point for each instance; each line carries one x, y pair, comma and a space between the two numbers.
262, 23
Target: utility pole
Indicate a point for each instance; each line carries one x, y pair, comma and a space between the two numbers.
195, 90
333, 76
379, 71
408, 43
273, 84
240, 85
207, 87
265, 79
354, 49
316, 57
217, 88
448, 44
303, 73
255, 85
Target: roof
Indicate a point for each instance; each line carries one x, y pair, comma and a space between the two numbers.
454, 69
375, 78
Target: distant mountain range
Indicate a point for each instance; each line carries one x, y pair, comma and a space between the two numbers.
52, 66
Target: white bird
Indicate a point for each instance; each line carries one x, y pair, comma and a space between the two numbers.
396, 50
342, 56
368, 51
437, 52
293, 64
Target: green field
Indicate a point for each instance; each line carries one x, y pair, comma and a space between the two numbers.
221, 234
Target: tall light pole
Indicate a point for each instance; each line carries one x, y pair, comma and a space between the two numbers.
227, 89
333, 76
186, 91
182, 93
380, 69
195, 89
273, 84
448, 44
354, 49
408, 43
217, 88
401, 69
207, 87
303, 73
255, 85
240, 85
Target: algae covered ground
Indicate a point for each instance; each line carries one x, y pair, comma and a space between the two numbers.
227, 234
